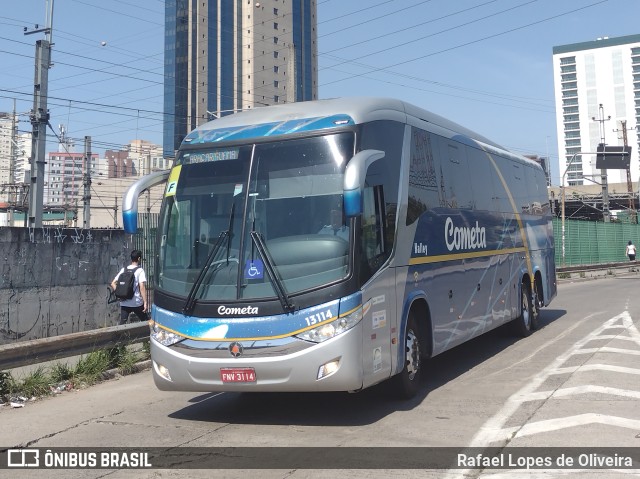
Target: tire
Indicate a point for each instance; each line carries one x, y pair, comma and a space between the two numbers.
536, 304
406, 384
522, 326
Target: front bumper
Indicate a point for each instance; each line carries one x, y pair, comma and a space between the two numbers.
297, 371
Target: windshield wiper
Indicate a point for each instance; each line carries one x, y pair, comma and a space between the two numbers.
230, 228
224, 236
191, 297
278, 286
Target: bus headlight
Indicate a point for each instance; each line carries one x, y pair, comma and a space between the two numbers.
164, 337
332, 329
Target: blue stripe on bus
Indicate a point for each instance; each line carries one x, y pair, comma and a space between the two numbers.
254, 328
268, 129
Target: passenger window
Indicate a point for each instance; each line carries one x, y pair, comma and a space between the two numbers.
502, 198
535, 181
483, 176
519, 187
423, 180
456, 183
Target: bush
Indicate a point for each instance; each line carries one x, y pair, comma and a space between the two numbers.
90, 367
36, 383
60, 372
89, 370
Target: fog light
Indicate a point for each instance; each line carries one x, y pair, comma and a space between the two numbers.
162, 371
328, 369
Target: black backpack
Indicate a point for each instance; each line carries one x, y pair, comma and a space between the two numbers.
125, 285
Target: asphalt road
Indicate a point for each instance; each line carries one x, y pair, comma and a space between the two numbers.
574, 383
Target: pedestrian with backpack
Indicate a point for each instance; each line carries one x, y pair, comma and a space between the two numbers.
130, 288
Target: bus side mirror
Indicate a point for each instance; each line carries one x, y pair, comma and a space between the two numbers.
354, 176
130, 199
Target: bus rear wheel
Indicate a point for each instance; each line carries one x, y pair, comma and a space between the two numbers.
406, 384
523, 325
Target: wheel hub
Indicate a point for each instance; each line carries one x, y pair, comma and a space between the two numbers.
413, 354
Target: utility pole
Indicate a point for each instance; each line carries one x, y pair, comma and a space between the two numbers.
115, 213
87, 184
147, 171
606, 215
39, 119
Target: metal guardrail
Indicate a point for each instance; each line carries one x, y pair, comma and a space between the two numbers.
570, 272
48, 349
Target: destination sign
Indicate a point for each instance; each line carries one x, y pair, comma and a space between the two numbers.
207, 156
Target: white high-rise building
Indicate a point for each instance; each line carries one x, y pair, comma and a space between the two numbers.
590, 77
8, 146
22, 169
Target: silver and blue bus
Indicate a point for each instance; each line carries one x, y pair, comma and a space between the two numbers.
335, 244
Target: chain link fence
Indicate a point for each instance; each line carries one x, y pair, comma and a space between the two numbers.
589, 242
145, 241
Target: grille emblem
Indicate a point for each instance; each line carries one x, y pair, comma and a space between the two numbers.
236, 349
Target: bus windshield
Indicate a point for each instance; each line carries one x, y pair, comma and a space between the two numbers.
256, 221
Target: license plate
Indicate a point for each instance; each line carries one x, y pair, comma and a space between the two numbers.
238, 375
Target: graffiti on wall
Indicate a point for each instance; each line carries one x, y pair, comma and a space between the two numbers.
53, 280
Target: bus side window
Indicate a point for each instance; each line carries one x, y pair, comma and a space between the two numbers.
483, 176
519, 188
374, 228
456, 181
423, 193
535, 180
502, 196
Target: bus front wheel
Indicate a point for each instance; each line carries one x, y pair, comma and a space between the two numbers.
407, 383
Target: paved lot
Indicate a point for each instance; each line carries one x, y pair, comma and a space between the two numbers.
574, 383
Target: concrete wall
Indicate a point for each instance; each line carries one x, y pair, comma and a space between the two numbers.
53, 280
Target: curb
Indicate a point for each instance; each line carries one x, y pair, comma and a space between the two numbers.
137, 368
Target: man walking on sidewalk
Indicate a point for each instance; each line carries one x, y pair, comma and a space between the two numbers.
136, 300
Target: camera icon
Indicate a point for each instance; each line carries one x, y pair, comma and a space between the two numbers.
23, 458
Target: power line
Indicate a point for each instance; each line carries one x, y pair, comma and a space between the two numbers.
421, 57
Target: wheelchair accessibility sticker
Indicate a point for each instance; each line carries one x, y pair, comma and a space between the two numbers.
254, 269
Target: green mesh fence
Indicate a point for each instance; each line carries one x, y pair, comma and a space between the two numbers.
588, 242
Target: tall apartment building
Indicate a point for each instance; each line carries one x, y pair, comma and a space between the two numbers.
8, 133
22, 170
15, 149
222, 56
64, 178
140, 158
15, 168
586, 75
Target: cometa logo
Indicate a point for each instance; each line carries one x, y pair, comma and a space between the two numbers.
225, 311
458, 238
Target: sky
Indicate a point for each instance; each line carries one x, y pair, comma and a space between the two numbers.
485, 64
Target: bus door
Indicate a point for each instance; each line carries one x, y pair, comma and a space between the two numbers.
378, 293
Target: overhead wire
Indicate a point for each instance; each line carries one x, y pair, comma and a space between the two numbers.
415, 59
343, 61
472, 42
